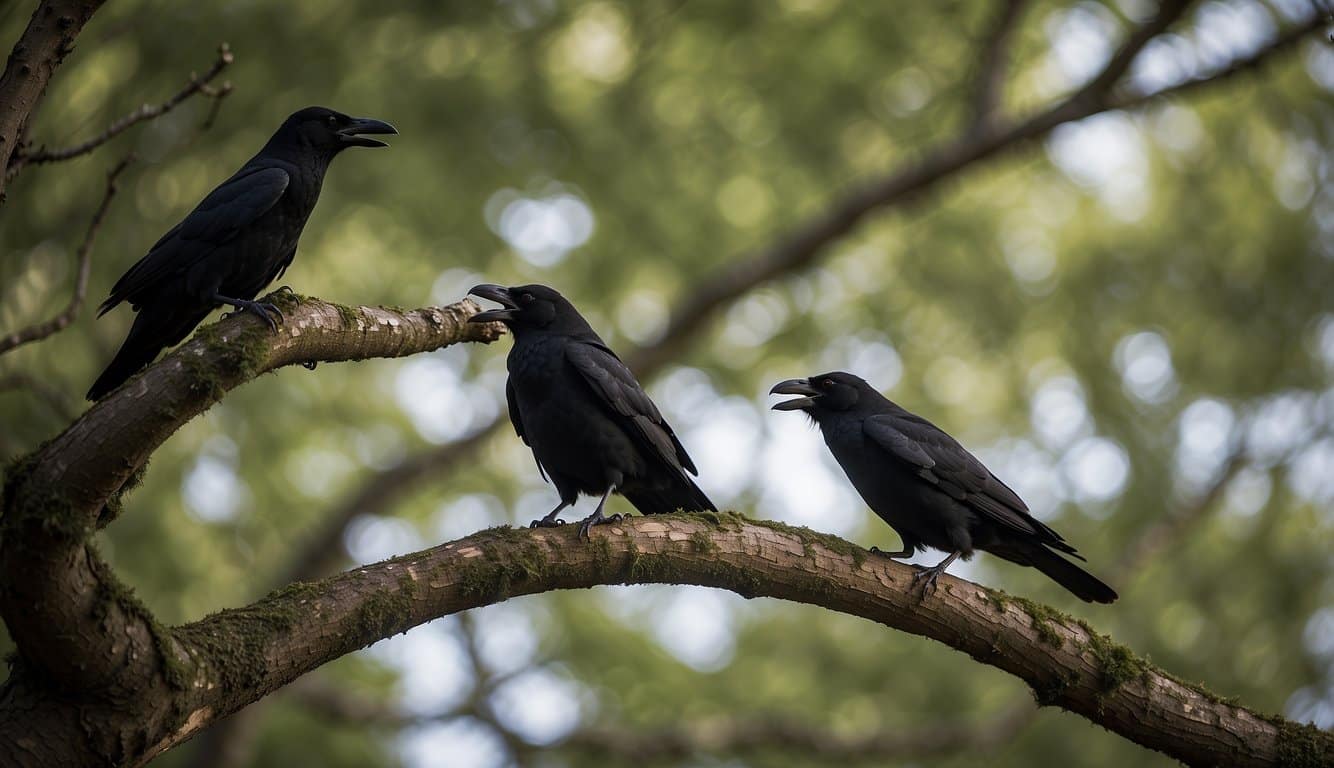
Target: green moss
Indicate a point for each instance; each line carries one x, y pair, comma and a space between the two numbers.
1117, 663
602, 555
351, 316
1302, 745
809, 538
284, 299
998, 598
494, 575
1042, 618
384, 613
1050, 692
227, 362
116, 503
23, 503
113, 594
703, 543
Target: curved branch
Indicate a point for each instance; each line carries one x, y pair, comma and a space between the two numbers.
244, 653
84, 256
45, 43
196, 84
789, 255
56, 591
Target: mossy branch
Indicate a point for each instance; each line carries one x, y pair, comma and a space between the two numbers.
247, 652
70, 618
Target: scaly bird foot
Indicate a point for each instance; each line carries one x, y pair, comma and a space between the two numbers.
596, 519
547, 522
264, 309
927, 579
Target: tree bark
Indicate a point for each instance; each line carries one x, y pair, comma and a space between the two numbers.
45, 43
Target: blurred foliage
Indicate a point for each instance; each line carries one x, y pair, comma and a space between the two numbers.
1097, 316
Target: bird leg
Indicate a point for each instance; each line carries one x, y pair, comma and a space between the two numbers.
596, 518
261, 308
551, 521
928, 576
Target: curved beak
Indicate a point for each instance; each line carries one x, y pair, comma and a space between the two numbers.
354, 134
795, 387
497, 294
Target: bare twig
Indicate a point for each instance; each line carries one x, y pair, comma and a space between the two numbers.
198, 84
85, 253
989, 77
45, 43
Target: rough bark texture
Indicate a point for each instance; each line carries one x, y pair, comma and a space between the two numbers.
33, 60
96, 677
232, 658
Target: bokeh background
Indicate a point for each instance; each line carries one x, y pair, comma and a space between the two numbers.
1131, 322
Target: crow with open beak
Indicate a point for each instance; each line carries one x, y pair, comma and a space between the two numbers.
930, 490
591, 427
240, 238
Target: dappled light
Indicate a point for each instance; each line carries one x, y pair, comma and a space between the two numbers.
1092, 241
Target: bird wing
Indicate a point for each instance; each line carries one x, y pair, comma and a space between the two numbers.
218, 218
617, 388
939, 460
516, 418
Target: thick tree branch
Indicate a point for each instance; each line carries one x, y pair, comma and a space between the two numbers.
45, 43
240, 655
789, 255
196, 84
84, 257
54, 590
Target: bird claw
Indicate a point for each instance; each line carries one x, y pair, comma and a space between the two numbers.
927, 578
264, 309
284, 289
596, 519
547, 522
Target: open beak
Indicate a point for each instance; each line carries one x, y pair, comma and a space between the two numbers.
795, 387
499, 295
354, 135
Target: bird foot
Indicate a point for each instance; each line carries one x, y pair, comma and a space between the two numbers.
596, 519
891, 555
264, 309
927, 579
284, 289
547, 522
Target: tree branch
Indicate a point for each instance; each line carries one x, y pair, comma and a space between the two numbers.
54, 589
239, 655
989, 77
789, 255
47, 40
196, 84
84, 256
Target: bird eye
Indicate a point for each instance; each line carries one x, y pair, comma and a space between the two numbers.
827, 383
332, 120
526, 298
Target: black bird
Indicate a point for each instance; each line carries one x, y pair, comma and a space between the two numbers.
592, 428
234, 243
930, 490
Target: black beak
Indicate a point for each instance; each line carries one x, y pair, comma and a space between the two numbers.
353, 135
795, 387
500, 296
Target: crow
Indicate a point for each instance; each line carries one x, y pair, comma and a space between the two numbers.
590, 425
930, 490
238, 240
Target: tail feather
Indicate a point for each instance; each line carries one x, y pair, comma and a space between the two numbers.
149, 335
683, 495
1083, 584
